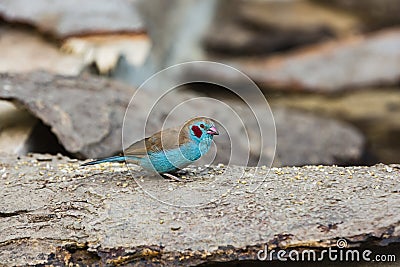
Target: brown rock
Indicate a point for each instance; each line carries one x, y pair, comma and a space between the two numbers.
55, 213
262, 27
297, 14
346, 64
80, 111
374, 14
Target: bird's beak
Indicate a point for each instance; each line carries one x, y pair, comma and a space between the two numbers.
213, 131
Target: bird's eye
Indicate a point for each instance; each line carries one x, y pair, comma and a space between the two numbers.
202, 126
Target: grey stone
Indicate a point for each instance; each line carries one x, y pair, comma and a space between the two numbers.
304, 138
65, 18
347, 64
55, 212
81, 112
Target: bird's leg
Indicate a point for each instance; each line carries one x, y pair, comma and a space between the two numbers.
172, 177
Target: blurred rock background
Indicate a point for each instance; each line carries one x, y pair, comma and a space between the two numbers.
329, 69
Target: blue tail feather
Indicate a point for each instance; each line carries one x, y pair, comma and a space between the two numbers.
109, 159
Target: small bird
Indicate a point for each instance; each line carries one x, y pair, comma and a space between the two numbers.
171, 149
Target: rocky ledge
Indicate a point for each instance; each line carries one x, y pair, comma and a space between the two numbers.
52, 211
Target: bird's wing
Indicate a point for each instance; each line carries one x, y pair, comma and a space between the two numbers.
164, 140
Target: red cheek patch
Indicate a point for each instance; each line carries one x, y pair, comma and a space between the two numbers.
196, 130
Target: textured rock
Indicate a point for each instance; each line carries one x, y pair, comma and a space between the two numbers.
86, 115
55, 212
65, 18
262, 27
346, 64
78, 114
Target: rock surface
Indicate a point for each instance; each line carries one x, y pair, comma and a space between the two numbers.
65, 18
374, 111
55, 212
374, 14
345, 64
263, 27
86, 115
304, 139
66, 104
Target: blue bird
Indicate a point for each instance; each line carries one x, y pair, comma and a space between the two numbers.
171, 149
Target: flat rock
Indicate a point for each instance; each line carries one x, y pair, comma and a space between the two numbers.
80, 111
86, 115
356, 62
65, 18
55, 212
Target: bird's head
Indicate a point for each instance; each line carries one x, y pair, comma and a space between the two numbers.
201, 128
